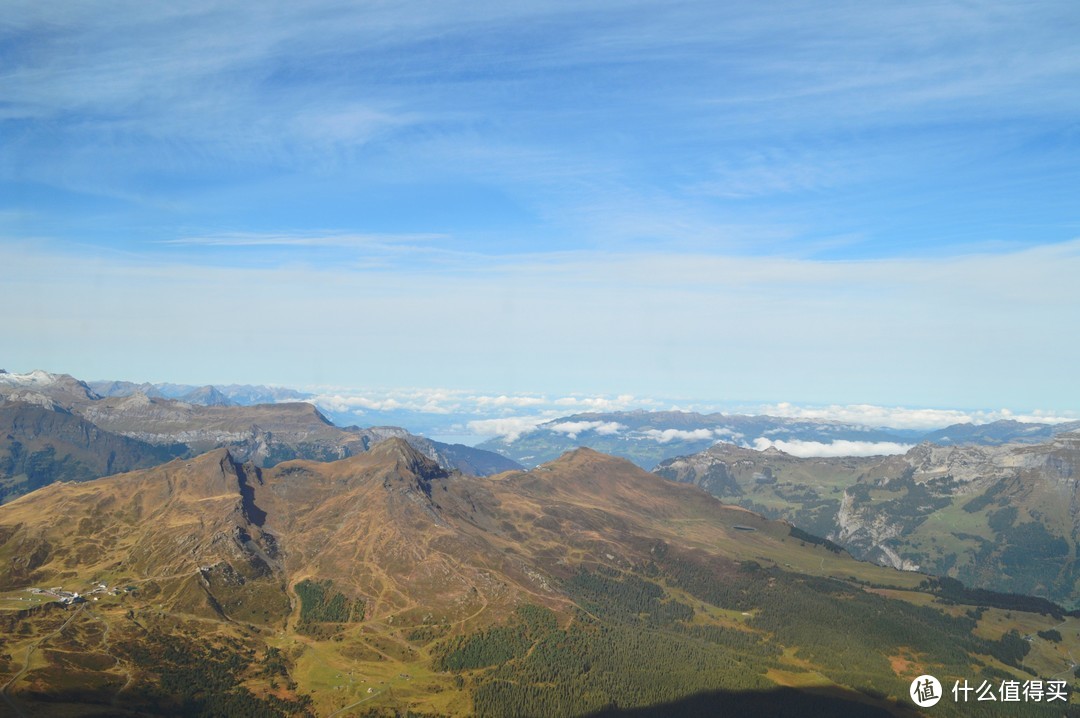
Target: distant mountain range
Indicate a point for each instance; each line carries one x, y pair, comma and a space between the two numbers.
1003, 517
644, 437
381, 584
650, 437
230, 394
60, 429
994, 505
999, 432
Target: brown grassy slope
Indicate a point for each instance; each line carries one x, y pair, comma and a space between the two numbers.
387, 525
217, 547
177, 529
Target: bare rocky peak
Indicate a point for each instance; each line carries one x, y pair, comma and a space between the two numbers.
969, 463
34, 398
963, 463
402, 455
60, 389
207, 396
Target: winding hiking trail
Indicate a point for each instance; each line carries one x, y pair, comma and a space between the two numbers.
128, 676
353, 705
29, 653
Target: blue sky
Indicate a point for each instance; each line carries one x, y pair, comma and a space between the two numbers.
776, 202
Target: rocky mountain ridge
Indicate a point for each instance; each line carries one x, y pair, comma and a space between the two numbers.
264, 434
239, 394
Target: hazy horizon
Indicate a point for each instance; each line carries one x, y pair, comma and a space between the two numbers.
470, 417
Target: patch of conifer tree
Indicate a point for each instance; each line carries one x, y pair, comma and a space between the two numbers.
953, 590
1010, 649
798, 533
607, 657
320, 603
627, 598
623, 650
199, 679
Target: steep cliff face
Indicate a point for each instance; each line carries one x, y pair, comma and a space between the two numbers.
868, 534
40, 445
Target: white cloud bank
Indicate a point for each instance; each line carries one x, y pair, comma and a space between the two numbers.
817, 449
511, 416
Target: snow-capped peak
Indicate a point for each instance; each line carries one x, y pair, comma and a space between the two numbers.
34, 378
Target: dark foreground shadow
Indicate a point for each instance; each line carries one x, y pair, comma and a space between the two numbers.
826, 702
779, 703
138, 704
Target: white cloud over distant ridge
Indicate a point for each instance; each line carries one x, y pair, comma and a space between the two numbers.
603, 403
509, 401
808, 449
509, 428
252, 239
573, 428
665, 436
445, 401
908, 418
355, 404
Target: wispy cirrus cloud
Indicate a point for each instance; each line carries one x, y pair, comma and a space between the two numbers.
304, 240
455, 103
